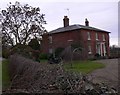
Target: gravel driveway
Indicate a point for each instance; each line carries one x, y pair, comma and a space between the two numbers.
109, 74
0, 59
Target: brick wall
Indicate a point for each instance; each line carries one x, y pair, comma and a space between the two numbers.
62, 40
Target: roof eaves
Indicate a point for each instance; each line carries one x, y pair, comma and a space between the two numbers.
75, 27
92, 28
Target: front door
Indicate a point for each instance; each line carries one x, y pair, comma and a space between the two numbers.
101, 49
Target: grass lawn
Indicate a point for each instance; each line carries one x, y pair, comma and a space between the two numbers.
43, 60
84, 67
5, 74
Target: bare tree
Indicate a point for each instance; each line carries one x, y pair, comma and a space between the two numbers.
20, 23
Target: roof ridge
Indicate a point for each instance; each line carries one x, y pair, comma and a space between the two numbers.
74, 27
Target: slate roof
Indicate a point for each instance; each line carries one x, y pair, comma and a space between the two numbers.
75, 27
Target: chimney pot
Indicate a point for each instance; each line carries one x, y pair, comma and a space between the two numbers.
86, 22
66, 21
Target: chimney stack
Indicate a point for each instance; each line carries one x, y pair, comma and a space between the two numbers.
86, 22
66, 21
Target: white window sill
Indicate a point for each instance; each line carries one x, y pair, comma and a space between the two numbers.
97, 39
89, 52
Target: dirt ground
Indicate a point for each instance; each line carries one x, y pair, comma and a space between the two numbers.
108, 75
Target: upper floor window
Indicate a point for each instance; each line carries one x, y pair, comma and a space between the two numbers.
88, 33
96, 36
103, 37
50, 39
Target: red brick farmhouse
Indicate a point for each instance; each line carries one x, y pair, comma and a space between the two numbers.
93, 40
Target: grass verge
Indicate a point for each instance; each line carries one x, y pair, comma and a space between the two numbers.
5, 74
0, 76
43, 60
84, 67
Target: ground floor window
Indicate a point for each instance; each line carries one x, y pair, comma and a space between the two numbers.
50, 51
89, 49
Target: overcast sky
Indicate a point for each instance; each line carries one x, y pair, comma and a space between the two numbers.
102, 14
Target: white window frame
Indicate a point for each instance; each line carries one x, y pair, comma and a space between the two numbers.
103, 37
89, 49
98, 48
88, 35
96, 36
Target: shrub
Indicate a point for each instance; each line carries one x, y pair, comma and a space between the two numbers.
45, 78
26, 51
34, 44
5, 53
19, 48
58, 51
43, 56
97, 55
